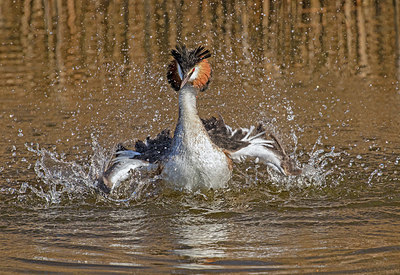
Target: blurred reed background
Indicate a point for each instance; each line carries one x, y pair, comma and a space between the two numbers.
69, 40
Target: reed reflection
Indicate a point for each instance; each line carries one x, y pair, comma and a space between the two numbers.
70, 41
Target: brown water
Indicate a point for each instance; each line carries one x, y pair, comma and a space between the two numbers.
76, 77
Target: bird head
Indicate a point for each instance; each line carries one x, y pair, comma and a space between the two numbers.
189, 67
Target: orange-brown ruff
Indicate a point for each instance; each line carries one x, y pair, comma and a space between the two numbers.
187, 60
201, 82
200, 154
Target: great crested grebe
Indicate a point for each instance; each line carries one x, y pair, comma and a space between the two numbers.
200, 154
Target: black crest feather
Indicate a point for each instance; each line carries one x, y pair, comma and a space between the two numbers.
188, 59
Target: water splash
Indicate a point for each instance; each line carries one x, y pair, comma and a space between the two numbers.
59, 178
63, 181
316, 169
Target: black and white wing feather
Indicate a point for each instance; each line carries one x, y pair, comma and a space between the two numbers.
146, 157
244, 143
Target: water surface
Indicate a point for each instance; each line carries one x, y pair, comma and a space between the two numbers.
77, 77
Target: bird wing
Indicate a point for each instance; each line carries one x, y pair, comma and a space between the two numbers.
246, 143
146, 157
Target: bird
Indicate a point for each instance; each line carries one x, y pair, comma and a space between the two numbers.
201, 152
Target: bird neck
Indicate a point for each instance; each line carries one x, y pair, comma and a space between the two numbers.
189, 122
187, 102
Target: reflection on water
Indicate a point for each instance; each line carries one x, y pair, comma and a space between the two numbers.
68, 42
76, 77
199, 239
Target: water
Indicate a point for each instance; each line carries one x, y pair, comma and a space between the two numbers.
78, 77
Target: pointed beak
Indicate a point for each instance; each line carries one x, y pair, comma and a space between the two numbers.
186, 78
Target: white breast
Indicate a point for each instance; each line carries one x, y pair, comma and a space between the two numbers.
199, 165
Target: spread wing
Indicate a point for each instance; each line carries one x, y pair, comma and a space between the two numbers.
245, 143
146, 157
